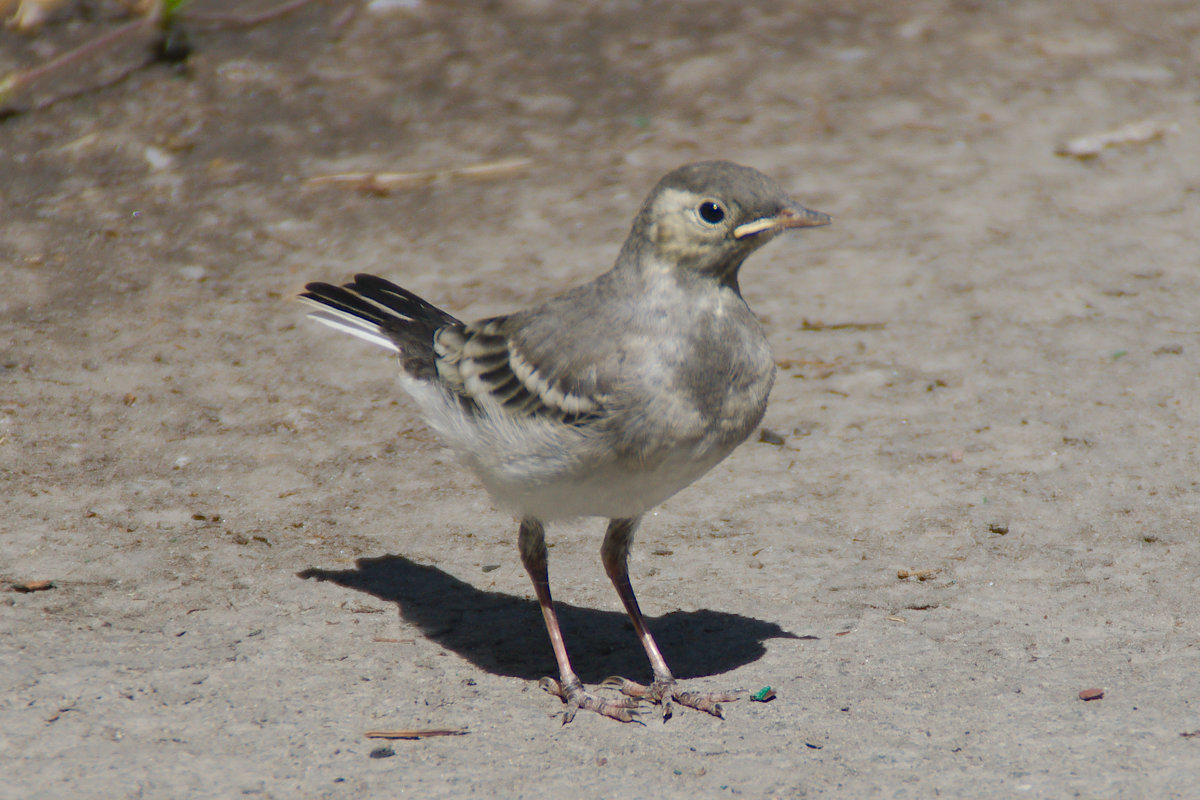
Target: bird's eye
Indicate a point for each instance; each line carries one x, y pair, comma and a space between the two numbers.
711, 212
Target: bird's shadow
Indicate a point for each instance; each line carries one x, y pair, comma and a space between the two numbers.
504, 634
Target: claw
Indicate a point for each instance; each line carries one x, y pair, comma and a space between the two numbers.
702, 703
621, 709
663, 691
624, 686
553, 687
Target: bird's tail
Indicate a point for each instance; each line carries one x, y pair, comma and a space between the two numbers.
382, 313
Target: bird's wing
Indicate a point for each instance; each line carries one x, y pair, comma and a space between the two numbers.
486, 360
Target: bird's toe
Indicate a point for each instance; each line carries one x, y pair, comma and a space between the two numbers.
622, 709
665, 690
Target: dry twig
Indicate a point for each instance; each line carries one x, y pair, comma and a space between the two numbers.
919, 574
1141, 132
384, 182
416, 733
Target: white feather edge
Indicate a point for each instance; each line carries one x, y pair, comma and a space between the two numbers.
355, 326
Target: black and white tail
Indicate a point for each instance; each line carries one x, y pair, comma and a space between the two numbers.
380, 312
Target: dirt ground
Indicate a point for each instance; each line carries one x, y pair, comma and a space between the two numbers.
989, 370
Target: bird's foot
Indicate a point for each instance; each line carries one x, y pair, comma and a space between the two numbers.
573, 694
665, 690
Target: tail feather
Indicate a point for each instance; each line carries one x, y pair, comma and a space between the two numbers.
384, 314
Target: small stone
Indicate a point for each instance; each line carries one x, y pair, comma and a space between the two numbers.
1091, 694
768, 436
157, 159
32, 586
387, 6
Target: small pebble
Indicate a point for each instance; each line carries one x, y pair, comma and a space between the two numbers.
768, 436
386, 6
32, 586
157, 159
1091, 694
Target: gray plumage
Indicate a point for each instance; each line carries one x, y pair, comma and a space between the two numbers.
609, 398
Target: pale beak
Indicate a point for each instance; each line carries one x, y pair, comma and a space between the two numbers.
792, 217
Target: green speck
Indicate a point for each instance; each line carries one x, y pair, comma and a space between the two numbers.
1117, 354
641, 121
762, 693
173, 7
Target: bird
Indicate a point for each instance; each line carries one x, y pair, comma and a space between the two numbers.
605, 400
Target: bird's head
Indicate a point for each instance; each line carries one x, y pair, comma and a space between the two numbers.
709, 216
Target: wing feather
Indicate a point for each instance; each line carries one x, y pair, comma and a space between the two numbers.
482, 361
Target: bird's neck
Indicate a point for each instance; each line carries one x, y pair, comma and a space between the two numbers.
655, 273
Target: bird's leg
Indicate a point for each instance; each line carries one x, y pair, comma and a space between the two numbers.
615, 554
568, 687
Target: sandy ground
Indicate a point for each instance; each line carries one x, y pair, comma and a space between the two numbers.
989, 370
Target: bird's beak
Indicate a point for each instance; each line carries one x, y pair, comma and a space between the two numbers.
793, 216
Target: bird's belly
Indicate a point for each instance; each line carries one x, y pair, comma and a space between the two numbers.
611, 489
619, 470
621, 467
